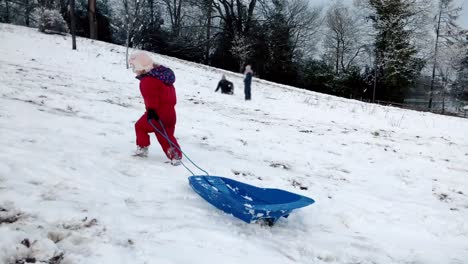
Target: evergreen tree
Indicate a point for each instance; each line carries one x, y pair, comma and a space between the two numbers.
460, 90
397, 64
317, 75
280, 67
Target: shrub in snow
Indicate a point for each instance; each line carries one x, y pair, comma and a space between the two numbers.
52, 22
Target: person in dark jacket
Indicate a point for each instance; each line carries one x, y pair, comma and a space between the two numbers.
247, 82
226, 86
159, 95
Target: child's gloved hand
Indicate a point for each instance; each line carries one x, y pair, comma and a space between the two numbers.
151, 114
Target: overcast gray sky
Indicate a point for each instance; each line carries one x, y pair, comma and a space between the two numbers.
464, 17
463, 20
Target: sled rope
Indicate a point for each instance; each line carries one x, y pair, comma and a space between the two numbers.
175, 146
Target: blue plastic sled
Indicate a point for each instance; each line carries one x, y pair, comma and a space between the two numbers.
247, 202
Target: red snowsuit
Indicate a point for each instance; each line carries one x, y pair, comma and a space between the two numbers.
159, 95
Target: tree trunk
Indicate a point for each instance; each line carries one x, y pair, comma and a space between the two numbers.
151, 4
127, 47
27, 9
127, 26
343, 69
431, 92
179, 13
444, 89
93, 31
443, 102
208, 34
239, 17
7, 12
73, 23
337, 57
375, 76
250, 15
178, 16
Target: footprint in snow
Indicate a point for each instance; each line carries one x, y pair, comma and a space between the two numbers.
9, 215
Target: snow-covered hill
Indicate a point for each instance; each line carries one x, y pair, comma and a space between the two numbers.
391, 185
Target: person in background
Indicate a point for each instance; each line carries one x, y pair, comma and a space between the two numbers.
226, 86
248, 73
159, 95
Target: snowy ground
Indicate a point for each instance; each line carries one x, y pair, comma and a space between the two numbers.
391, 185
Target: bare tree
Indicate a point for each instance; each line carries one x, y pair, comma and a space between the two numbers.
305, 24
445, 30
132, 22
174, 9
449, 63
207, 10
303, 21
237, 15
343, 37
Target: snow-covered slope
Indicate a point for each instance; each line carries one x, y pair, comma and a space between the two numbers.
391, 185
